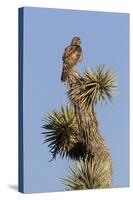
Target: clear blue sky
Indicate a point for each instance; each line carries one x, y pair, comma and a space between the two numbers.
104, 39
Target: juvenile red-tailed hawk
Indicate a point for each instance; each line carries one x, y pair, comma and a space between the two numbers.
71, 57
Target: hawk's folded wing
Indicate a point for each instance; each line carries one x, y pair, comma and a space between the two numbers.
71, 57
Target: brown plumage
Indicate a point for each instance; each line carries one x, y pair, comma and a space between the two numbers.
71, 57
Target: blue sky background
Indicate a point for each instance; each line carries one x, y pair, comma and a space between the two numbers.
104, 39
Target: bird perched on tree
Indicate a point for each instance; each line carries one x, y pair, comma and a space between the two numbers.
71, 57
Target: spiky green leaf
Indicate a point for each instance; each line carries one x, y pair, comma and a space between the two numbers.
89, 174
62, 134
93, 87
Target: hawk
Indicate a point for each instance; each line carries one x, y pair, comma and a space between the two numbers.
71, 57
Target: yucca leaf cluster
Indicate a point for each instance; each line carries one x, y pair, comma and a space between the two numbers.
93, 87
63, 136
88, 174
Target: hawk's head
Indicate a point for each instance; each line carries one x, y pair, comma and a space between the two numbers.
76, 41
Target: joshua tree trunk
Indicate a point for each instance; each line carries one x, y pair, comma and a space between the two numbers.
73, 132
94, 144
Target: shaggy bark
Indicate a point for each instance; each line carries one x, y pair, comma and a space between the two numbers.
93, 142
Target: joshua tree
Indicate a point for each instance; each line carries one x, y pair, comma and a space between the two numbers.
74, 133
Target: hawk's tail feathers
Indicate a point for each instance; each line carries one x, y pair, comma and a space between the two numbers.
64, 73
